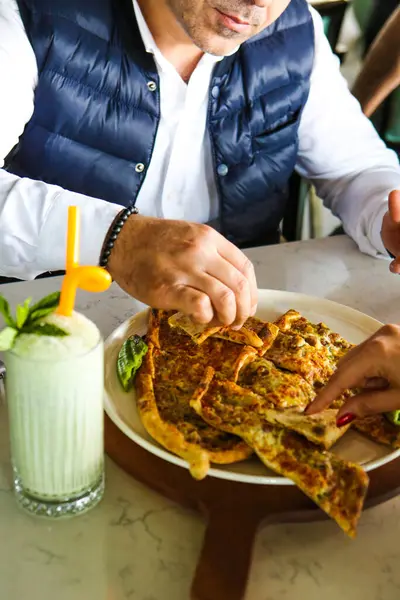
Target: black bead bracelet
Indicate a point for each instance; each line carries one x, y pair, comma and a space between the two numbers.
114, 233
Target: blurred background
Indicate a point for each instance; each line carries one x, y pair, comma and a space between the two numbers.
352, 27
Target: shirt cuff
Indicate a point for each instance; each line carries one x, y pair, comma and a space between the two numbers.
375, 232
96, 217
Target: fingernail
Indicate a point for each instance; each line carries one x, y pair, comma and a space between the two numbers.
345, 419
236, 327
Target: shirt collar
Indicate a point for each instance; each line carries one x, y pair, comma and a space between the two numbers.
151, 46
147, 38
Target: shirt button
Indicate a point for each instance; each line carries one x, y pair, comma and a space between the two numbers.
152, 86
215, 92
139, 168
222, 170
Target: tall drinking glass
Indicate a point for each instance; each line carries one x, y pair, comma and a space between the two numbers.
54, 390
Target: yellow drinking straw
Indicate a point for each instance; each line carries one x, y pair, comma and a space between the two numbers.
90, 279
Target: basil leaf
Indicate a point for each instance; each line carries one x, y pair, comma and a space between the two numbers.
5, 311
7, 338
22, 312
51, 301
45, 329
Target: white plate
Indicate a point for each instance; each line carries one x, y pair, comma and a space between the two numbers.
351, 324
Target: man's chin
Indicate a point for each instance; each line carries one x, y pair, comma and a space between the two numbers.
218, 46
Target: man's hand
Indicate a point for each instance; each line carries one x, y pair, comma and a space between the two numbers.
179, 265
391, 230
373, 366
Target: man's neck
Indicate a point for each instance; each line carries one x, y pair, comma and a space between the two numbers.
170, 37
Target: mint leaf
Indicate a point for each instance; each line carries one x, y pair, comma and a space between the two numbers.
51, 302
44, 307
45, 329
40, 313
22, 312
5, 311
7, 338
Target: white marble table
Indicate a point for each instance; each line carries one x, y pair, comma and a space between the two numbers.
138, 546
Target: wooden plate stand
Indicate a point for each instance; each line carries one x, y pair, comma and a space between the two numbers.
234, 511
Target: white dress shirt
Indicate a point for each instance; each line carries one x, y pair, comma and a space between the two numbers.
180, 181
339, 152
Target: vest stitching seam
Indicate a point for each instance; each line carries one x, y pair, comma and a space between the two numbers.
71, 139
233, 113
116, 98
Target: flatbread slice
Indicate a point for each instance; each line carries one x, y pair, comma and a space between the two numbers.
321, 350
379, 429
290, 351
227, 358
197, 332
281, 389
320, 429
316, 334
164, 386
255, 333
336, 486
153, 328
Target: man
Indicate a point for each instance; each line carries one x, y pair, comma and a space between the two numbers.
194, 110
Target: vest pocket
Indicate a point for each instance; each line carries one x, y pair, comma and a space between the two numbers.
281, 133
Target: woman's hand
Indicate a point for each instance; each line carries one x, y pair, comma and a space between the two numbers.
373, 366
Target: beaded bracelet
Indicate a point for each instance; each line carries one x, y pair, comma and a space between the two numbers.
114, 232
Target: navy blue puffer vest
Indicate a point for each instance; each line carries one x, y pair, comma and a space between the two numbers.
97, 109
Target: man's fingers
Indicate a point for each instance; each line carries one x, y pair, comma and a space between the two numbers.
244, 265
249, 272
222, 278
194, 303
222, 297
394, 206
371, 403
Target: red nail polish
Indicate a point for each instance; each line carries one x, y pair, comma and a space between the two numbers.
345, 419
